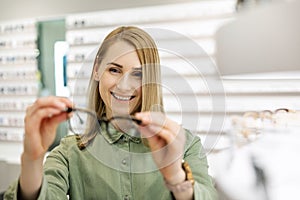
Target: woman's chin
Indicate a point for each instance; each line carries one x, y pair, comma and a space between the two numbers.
120, 111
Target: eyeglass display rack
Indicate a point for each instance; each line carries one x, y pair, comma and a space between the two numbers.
196, 20
18, 76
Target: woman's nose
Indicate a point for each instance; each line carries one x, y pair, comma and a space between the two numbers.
124, 83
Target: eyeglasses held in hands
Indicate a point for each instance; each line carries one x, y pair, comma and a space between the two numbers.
84, 120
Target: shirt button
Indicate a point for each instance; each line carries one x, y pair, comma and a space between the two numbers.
124, 162
126, 197
125, 139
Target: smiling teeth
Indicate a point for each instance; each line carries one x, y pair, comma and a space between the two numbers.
121, 98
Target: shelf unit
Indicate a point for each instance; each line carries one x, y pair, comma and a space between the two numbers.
201, 100
18, 76
192, 22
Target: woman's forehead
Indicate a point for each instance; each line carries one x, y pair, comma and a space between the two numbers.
119, 49
122, 53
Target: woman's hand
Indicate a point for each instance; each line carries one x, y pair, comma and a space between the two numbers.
166, 140
41, 121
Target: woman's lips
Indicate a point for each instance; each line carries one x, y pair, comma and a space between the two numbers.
122, 97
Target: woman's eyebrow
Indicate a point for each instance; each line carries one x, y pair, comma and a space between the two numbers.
137, 68
121, 66
116, 64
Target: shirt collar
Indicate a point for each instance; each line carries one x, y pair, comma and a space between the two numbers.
114, 135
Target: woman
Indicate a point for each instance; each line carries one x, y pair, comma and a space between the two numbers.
125, 81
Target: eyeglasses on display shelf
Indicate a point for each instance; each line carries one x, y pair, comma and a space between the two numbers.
261, 143
252, 124
18, 74
11, 134
286, 118
11, 121
17, 28
79, 23
77, 72
8, 44
78, 40
19, 90
11, 104
84, 121
20, 59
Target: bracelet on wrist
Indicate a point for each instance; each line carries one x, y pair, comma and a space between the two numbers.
188, 183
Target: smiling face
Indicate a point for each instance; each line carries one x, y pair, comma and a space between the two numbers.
120, 79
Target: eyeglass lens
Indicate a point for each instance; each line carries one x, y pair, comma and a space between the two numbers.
83, 121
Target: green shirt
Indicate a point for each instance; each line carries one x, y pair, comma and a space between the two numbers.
117, 167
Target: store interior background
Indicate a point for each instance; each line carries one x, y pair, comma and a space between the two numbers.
54, 19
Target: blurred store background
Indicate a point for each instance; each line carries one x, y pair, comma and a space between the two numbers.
239, 58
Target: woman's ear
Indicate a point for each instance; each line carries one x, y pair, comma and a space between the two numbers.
96, 76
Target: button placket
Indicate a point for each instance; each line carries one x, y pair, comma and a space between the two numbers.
124, 162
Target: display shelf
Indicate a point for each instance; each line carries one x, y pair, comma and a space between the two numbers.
23, 77
2, 109
9, 103
23, 90
18, 59
197, 22
84, 44
17, 27
79, 42
237, 97
13, 119
18, 76
16, 48
98, 25
194, 10
20, 126
11, 44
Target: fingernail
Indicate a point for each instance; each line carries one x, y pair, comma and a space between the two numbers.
61, 105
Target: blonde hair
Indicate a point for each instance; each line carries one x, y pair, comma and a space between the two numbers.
151, 80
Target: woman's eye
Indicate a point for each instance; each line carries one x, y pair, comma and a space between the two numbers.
137, 74
114, 70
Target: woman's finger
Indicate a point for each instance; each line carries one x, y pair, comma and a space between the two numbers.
34, 120
153, 130
52, 101
158, 119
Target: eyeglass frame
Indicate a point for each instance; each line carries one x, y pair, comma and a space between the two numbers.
101, 120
